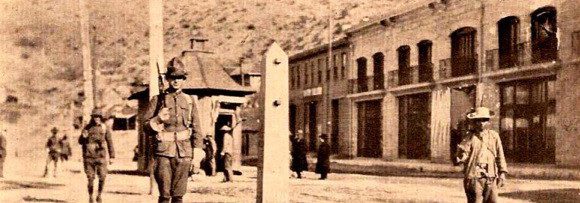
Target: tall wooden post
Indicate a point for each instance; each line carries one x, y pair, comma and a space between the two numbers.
155, 45
274, 152
89, 102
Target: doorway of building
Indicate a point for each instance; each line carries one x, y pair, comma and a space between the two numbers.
414, 126
219, 138
370, 137
334, 122
462, 101
527, 127
292, 121
312, 129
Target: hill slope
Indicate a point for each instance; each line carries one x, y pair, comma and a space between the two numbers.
40, 59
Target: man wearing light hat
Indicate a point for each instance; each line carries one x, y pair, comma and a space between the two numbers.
170, 115
482, 154
227, 152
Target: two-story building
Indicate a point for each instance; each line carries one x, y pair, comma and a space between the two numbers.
318, 91
415, 74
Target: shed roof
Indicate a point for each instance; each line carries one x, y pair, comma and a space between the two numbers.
206, 76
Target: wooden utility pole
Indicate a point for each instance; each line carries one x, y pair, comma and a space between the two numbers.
156, 59
88, 86
328, 100
273, 147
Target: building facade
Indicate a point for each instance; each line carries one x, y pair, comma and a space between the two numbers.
313, 108
415, 74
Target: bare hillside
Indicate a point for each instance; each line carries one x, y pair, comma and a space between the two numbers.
40, 60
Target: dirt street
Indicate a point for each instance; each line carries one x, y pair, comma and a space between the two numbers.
124, 186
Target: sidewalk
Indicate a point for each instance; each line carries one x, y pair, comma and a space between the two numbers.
424, 168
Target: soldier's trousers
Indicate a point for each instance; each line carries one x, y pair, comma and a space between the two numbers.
479, 190
171, 176
1, 167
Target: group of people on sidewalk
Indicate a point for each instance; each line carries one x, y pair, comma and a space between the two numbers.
299, 151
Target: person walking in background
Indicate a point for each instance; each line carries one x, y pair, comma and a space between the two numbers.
66, 150
2, 152
95, 137
323, 157
227, 152
53, 149
298, 152
172, 119
481, 152
210, 148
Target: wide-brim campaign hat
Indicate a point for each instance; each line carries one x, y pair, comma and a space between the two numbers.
225, 128
176, 69
481, 113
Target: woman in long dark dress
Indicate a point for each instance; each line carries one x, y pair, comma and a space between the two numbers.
299, 162
323, 163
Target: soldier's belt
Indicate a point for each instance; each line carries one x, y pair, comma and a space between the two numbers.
174, 136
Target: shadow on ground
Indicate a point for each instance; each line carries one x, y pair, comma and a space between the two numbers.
34, 199
553, 195
124, 193
129, 172
12, 185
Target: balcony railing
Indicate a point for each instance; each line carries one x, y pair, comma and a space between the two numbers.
522, 57
366, 84
445, 68
462, 66
456, 67
412, 75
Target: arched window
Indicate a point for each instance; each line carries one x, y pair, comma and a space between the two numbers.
507, 33
378, 68
362, 74
544, 39
404, 54
425, 65
463, 55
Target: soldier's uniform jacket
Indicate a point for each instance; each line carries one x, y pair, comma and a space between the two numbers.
482, 155
98, 137
176, 137
53, 145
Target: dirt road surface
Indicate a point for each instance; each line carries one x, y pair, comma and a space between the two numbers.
25, 184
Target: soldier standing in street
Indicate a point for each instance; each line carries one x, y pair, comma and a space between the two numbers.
171, 116
227, 152
482, 154
2, 152
210, 151
94, 138
53, 148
